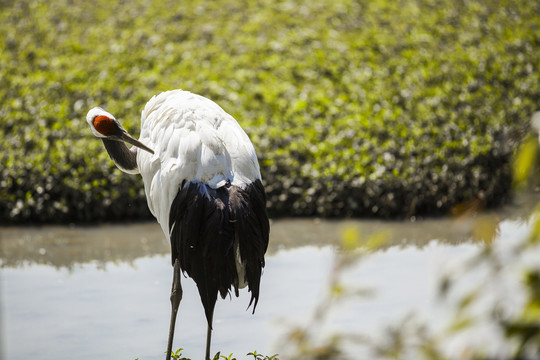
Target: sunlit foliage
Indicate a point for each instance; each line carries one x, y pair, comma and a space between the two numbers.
385, 108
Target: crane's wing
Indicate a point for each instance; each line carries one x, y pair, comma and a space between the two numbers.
245, 167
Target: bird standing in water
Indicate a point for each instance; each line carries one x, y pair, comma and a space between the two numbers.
203, 184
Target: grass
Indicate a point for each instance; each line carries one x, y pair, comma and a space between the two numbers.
356, 108
177, 355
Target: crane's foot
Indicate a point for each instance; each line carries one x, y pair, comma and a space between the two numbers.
176, 297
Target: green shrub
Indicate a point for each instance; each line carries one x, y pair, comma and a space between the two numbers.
384, 108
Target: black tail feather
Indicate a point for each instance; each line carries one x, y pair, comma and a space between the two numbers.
206, 225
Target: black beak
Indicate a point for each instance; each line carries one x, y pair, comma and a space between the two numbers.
131, 140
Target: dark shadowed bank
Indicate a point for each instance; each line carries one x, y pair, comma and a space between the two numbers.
356, 108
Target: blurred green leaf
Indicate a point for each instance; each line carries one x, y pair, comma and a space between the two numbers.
525, 161
350, 238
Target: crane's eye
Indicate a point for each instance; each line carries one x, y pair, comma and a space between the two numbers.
104, 125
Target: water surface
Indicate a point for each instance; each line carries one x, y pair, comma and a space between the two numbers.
102, 292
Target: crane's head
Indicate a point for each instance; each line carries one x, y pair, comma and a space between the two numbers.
105, 126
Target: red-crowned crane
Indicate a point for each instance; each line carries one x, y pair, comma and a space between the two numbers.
203, 184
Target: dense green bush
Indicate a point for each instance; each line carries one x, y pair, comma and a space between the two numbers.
385, 108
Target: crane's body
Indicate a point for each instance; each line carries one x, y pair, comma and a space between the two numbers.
194, 140
203, 184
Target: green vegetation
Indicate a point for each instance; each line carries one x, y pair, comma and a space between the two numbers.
384, 108
177, 355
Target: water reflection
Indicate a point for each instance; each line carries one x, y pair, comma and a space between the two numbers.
102, 292
60, 246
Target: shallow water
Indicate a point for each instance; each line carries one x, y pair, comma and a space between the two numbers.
103, 292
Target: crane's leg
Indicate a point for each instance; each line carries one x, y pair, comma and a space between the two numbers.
176, 296
209, 337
